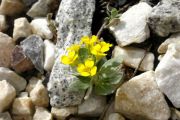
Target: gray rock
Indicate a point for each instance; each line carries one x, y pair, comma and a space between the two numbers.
5, 116
74, 18
165, 17
168, 74
29, 2
33, 47
140, 99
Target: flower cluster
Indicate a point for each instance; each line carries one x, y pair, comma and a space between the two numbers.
85, 56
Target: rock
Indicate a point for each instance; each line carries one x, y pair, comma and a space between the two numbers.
22, 117
3, 24
19, 62
33, 48
23, 94
132, 56
7, 95
22, 106
63, 113
133, 27
40, 27
39, 95
22, 28
42, 114
5, 116
32, 83
93, 106
28, 3
115, 116
167, 74
164, 18
49, 54
140, 99
174, 38
11, 7
40, 8
15, 80
81, 13
175, 114
6, 47
160, 57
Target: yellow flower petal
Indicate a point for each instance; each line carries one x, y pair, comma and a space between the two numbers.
89, 63
85, 74
80, 68
65, 60
71, 54
94, 39
93, 71
74, 47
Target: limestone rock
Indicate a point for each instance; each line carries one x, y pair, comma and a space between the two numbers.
42, 114
49, 54
15, 80
32, 83
165, 17
11, 7
140, 99
132, 56
5, 116
93, 106
22, 28
19, 62
6, 47
133, 27
75, 19
3, 23
39, 95
6, 96
167, 74
40, 27
33, 48
174, 38
22, 106
63, 113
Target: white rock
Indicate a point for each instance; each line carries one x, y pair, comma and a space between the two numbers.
141, 99
42, 114
49, 55
115, 116
22, 28
160, 57
3, 24
22, 106
168, 74
5, 116
93, 106
40, 27
32, 83
63, 113
133, 27
7, 95
39, 95
174, 38
15, 80
132, 57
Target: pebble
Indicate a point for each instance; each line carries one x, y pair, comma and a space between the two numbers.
132, 56
32, 83
133, 27
22, 28
42, 114
22, 117
5, 116
141, 99
3, 23
7, 95
115, 116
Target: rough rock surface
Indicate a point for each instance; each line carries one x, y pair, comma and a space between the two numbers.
15, 80
165, 17
132, 56
5, 116
115, 116
133, 27
42, 114
3, 23
167, 74
140, 99
31, 84
74, 18
33, 47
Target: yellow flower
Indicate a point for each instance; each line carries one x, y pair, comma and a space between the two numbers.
74, 47
87, 69
100, 49
89, 41
70, 58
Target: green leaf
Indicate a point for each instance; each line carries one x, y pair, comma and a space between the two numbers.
84, 79
83, 54
100, 63
104, 89
78, 85
114, 13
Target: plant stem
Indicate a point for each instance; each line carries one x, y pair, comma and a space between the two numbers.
88, 92
102, 28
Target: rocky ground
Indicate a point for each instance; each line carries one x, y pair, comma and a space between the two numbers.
34, 83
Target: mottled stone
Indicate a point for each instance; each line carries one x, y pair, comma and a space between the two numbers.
174, 38
5, 116
132, 56
74, 18
141, 99
42, 114
7, 95
19, 62
167, 74
3, 23
165, 17
133, 27
33, 47
14, 79
6, 47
